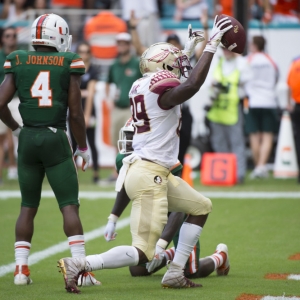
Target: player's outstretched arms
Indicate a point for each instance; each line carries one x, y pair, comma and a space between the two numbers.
122, 200
191, 86
7, 91
76, 117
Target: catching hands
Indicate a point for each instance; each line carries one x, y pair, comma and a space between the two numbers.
217, 32
193, 39
85, 157
110, 228
158, 257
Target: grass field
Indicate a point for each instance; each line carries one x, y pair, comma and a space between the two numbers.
260, 233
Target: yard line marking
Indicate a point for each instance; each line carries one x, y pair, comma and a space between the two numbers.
295, 256
5, 194
260, 297
60, 247
284, 276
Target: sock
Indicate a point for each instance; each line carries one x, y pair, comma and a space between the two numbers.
170, 253
22, 252
76, 244
188, 237
218, 258
118, 257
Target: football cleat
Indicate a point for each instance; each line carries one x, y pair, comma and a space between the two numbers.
87, 279
72, 268
22, 275
224, 268
174, 278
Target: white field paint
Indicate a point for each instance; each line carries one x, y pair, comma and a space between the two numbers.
4, 195
60, 247
279, 298
294, 277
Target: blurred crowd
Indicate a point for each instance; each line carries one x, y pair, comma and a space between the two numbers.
242, 89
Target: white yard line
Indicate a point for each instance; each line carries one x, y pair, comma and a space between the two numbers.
60, 247
294, 277
5, 195
279, 298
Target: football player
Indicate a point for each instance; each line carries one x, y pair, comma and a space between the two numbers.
155, 104
48, 83
195, 267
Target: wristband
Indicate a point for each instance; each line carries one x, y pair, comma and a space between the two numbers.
113, 218
162, 243
82, 149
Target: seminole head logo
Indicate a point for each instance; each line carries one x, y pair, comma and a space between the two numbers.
236, 29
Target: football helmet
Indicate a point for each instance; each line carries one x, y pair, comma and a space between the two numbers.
164, 56
125, 137
51, 30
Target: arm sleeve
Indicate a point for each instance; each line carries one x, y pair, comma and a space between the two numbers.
77, 65
9, 63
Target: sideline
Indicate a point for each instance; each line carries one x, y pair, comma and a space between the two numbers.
60, 247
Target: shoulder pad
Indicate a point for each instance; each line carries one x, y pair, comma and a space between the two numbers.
163, 81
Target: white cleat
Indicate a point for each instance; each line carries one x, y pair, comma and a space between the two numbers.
22, 275
71, 269
224, 269
174, 278
88, 279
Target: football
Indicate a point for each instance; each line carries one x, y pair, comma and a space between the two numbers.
235, 38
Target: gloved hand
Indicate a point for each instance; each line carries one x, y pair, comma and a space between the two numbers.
110, 228
158, 257
217, 33
84, 154
193, 39
17, 131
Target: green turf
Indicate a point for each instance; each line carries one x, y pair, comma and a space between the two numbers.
260, 235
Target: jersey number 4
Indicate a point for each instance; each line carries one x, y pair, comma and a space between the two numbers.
41, 89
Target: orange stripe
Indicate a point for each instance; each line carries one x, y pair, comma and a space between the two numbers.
26, 247
75, 60
7, 67
39, 26
76, 242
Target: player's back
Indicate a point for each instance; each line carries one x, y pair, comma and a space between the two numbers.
42, 80
157, 129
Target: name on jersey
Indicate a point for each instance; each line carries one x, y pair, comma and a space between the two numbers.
42, 60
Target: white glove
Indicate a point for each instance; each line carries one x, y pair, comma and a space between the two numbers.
17, 131
193, 39
85, 157
217, 33
110, 228
158, 257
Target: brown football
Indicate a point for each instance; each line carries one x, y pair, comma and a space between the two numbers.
235, 38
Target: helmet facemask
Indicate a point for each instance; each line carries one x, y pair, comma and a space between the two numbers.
125, 137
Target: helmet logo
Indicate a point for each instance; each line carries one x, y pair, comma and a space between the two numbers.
160, 56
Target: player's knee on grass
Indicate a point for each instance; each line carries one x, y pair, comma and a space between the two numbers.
139, 271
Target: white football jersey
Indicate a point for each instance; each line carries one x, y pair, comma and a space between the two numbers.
156, 135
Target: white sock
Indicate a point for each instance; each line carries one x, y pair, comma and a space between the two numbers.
188, 237
118, 257
22, 250
170, 253
76, 244
218, 259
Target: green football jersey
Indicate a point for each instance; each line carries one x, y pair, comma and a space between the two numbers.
175, 170
42, 80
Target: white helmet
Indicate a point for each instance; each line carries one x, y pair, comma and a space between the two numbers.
51, 30
164, 56
125, 137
